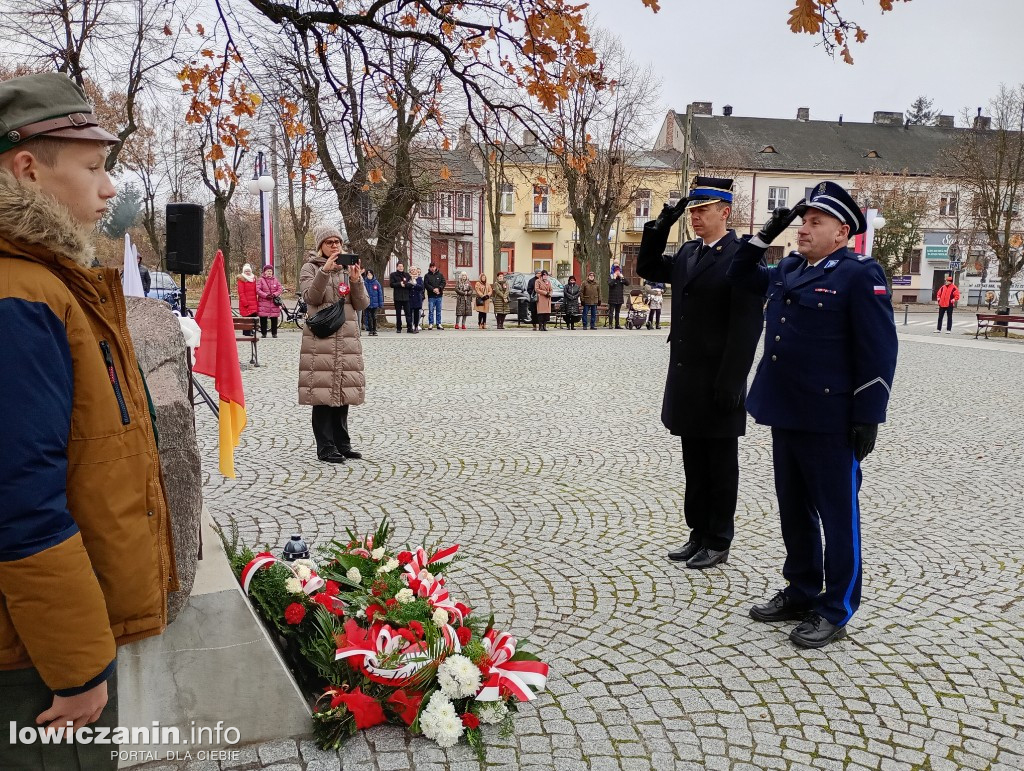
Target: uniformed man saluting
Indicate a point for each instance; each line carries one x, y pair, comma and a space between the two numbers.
822, 385
715, 327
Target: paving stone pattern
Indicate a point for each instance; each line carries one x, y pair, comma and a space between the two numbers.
543, 455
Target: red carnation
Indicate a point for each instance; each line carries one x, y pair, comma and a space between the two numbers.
373, 610
294, 613
408, 636
465, 610
404, 557
416, 627
465, 634
365, 709
391, 603
332, 588
470, 720
414, 584
406, 704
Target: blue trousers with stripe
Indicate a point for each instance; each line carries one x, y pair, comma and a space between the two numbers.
817, 480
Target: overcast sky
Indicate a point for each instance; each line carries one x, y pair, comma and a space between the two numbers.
741, 52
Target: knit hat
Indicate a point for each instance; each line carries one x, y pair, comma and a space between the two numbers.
324, 232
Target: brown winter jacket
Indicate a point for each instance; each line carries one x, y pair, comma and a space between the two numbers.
86, 557
331, 368
590, 293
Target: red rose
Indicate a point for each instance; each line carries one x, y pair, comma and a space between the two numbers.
294, 613
365, 709
391, 603
332, 589
406, 704
470, 720
465, 610
416, 627
465, 634
373, 610
404, 557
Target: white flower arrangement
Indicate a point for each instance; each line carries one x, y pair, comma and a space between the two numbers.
377, 553
405, 596
458, 677
293, 585
439, 722
305, 563
440, 617
491, 712
303, 572
354, 575
388, 566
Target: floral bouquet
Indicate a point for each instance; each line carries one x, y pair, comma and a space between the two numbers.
380, 638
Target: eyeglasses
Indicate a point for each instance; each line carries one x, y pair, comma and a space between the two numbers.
333, 242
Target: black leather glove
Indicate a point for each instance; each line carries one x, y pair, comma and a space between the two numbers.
781, 219
727, 401
862, 437
669, 215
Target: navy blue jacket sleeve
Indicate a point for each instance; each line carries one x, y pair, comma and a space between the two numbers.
874, 344
651, 262
748, 270
36, 385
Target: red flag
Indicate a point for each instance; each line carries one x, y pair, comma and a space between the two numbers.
217, 356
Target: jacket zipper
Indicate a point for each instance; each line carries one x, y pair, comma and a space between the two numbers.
112, 373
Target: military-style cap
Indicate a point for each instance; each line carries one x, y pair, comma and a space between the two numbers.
707, 190
46, 104
833, 199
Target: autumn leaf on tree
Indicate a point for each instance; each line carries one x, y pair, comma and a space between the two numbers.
805, 17
446, 144
446, 173
375, 176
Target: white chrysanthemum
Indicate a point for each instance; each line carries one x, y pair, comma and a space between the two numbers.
439, 722
458, 677
377, 553
305, 563
360, 613
440, 617
405, 596
293, 585
491, 712
354, 575
303, 572
388, 566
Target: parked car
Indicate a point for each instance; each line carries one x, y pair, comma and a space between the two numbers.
519, 300
162, 286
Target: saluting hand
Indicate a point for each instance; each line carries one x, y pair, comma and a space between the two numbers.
669, 215
781, 219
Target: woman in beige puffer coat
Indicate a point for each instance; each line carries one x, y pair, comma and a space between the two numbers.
331, 368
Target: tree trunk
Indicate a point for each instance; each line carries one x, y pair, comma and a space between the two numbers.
220, 207
1004, 289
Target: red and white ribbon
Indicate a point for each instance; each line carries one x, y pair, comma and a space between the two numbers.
265, 559
386, 643
520, 678
433, 590
420, 560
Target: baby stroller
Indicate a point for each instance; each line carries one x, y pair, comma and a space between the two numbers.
637, 310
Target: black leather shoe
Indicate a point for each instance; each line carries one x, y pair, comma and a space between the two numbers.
816, 631
332, 457
779, 608
352, 454
707, 558
685, 552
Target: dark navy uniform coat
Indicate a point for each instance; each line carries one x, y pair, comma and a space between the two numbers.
830, 341
713, 337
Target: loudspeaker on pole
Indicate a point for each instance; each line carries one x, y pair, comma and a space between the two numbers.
184, 238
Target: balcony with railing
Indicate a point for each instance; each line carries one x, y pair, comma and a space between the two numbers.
636, 224
451, 226
543, 221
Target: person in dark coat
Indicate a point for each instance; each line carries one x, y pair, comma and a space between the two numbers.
434, 282
823, 385
415, 299
376, 294
147, 280
532, 295
400, 282
616, 296
715, 328
571, 303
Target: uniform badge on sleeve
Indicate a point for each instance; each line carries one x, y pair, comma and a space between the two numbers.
881, 290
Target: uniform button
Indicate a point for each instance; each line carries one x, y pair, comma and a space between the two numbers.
789, 302
819, 305
826, 390
679, 364
774, 357
777, 338
782, 320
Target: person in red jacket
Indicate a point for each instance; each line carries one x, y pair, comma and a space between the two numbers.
247, 302
948, 296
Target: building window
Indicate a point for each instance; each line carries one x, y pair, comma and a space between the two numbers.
673, 197
444, 205
540, 199
630, 252
464, 206
508, 198
947, 205
777, 197
808, 191
463, 254
912, 262
426, 209
773, 255
643, 204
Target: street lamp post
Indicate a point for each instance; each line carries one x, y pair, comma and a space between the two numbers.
261, 184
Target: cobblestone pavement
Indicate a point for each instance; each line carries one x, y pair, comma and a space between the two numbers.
544, 456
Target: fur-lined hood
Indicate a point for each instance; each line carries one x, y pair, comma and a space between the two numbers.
35, 224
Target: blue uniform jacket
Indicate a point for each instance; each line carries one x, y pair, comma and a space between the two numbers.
375, 291
830, 341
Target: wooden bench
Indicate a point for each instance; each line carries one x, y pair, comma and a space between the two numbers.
987, 321
248, 324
